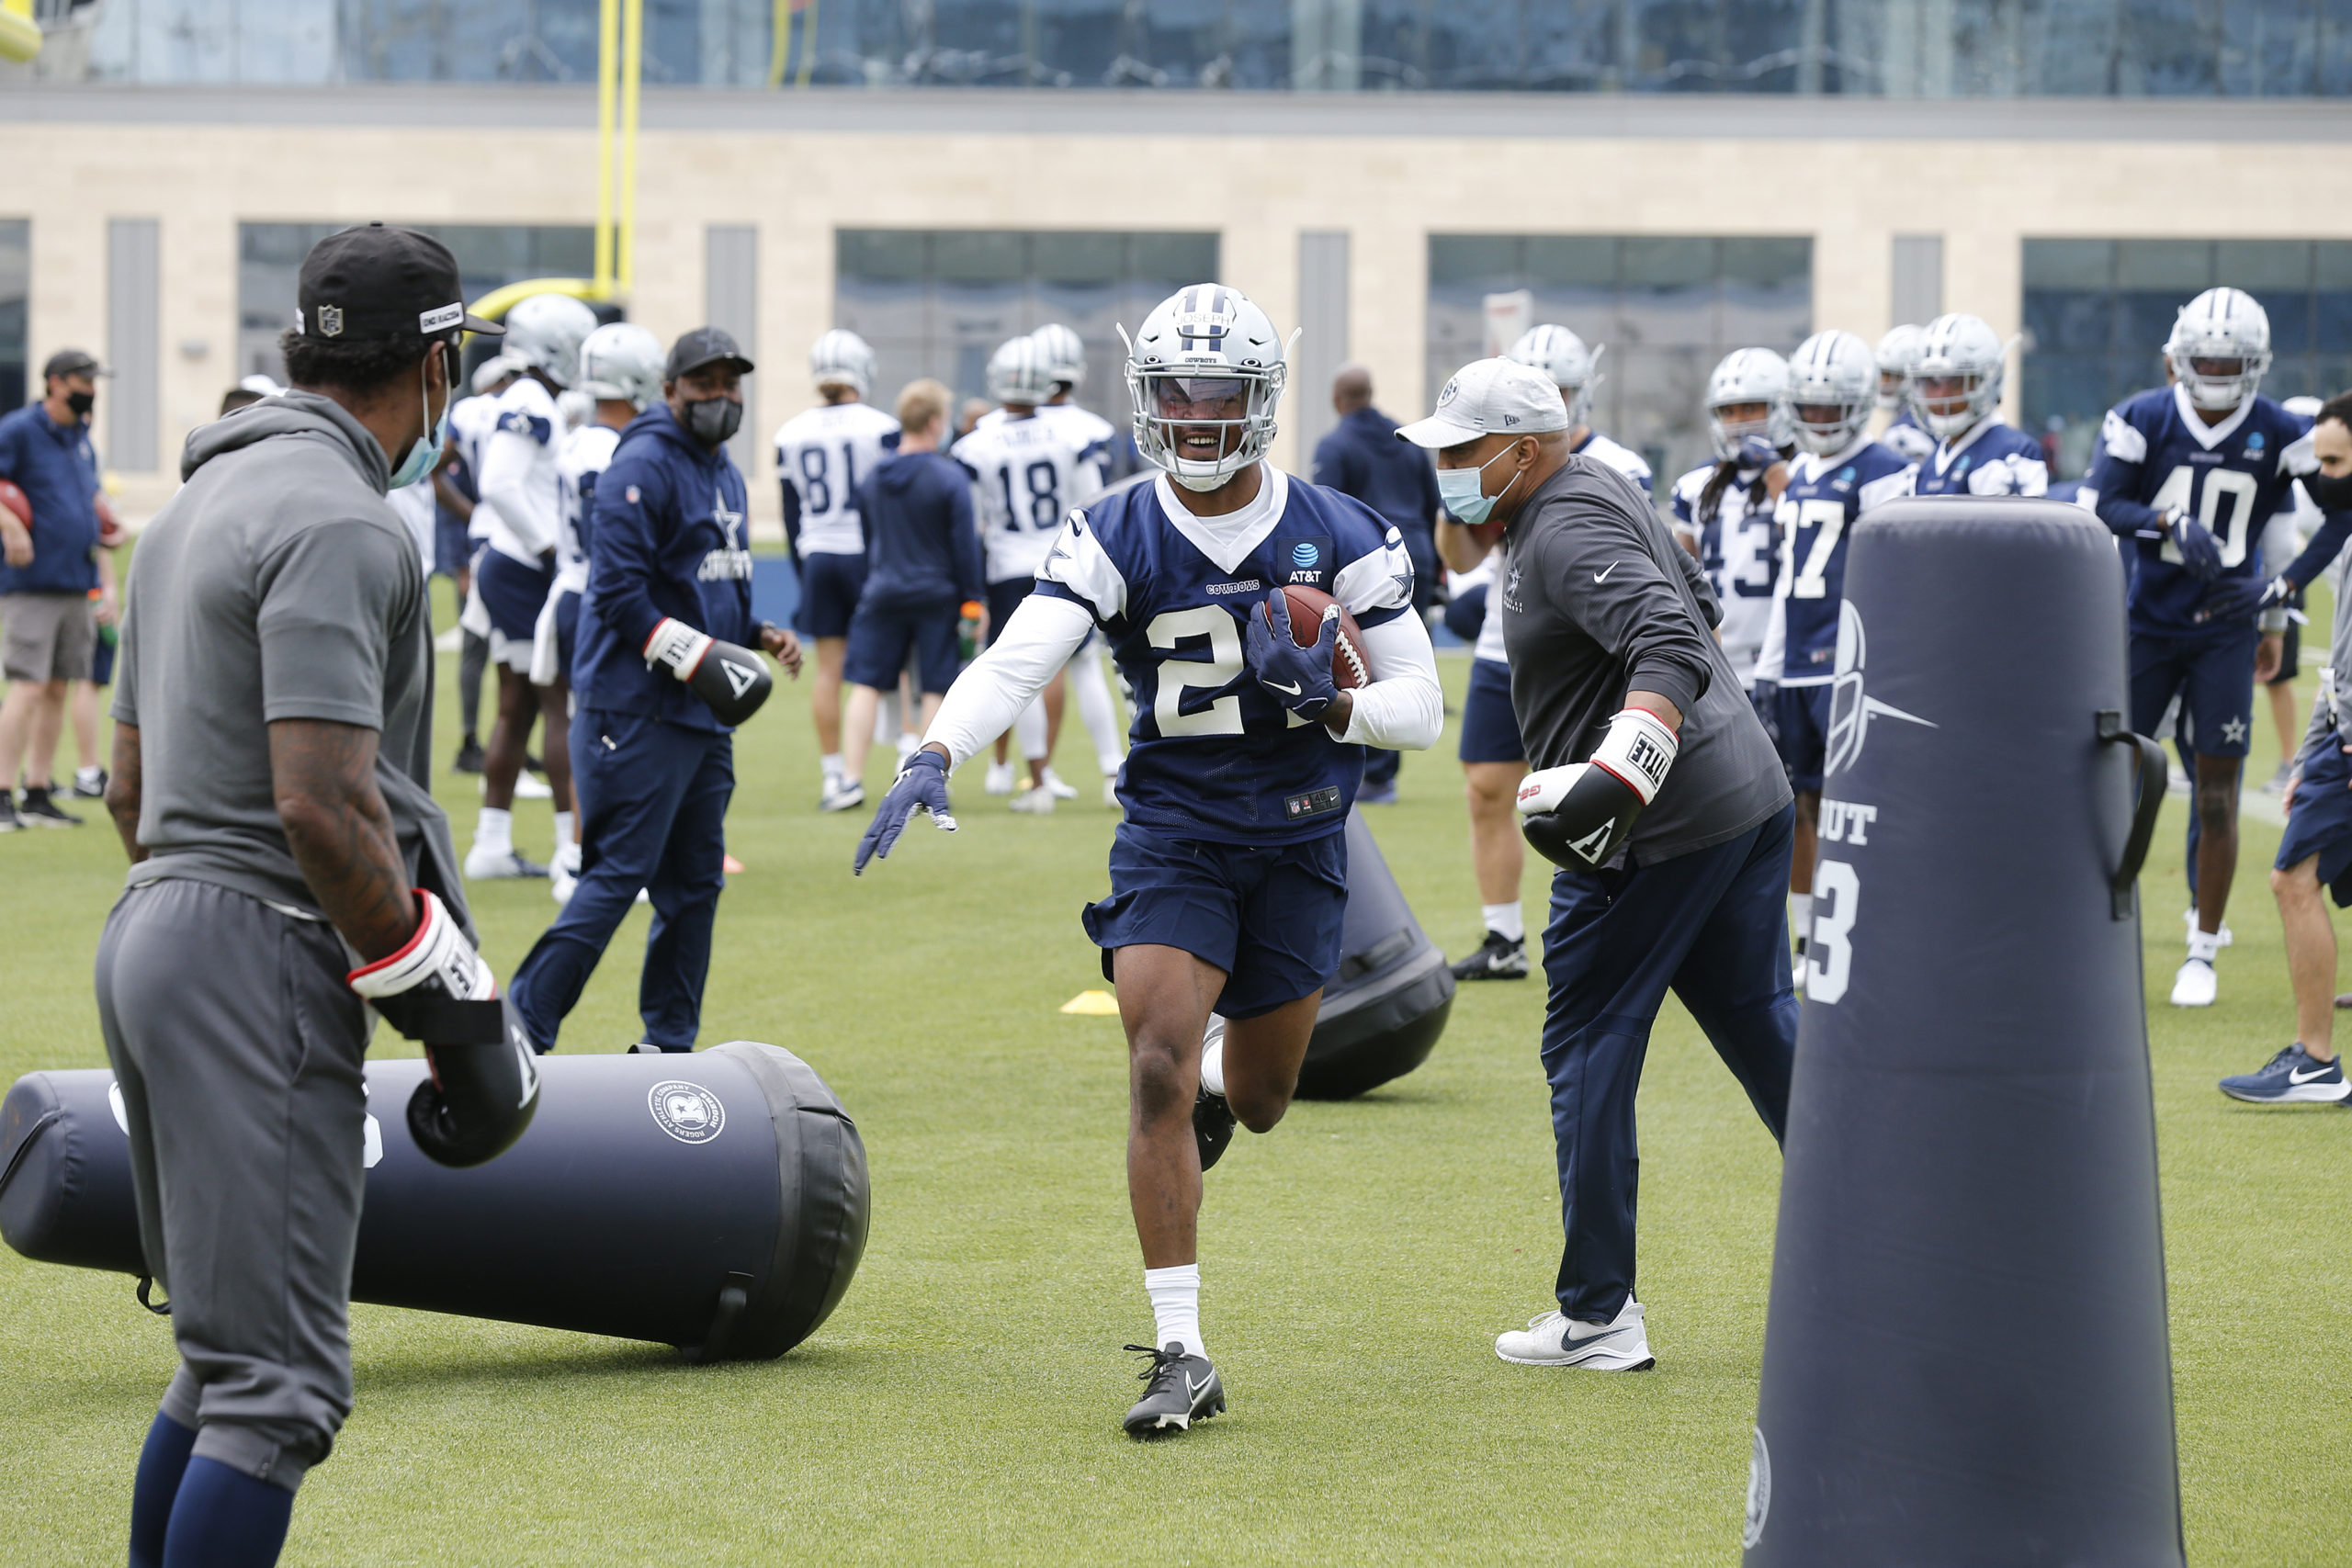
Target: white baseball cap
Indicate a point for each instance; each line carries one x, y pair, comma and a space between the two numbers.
1490, 397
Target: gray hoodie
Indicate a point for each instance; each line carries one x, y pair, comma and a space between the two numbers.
277, 584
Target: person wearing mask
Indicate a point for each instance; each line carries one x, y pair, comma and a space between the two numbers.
1362, 456
663, 672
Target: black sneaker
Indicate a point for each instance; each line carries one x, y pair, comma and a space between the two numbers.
1184, 1389
39, 811
1212, 1126
9, 820
1499, 958
469, 758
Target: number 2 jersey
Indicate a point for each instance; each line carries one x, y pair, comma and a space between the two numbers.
823, 455
1816, 516
2156, 454
1027, 474
1213, 755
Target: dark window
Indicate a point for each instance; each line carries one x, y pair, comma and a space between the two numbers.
15, 278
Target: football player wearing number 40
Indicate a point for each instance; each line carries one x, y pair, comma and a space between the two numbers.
1228, 876
2190, 474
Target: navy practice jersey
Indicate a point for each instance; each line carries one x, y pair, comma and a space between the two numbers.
1816, 516
2156, 454
1992, 459
1214, 756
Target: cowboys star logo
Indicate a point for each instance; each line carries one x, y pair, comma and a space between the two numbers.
2234, 732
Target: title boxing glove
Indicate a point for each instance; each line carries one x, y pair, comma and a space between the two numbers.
733, 682
484, 1087
1578, 814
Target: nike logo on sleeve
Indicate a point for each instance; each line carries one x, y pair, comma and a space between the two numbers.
1603, 575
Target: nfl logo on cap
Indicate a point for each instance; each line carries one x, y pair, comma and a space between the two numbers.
330, 321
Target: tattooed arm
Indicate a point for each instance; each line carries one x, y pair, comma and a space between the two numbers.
122, 790
323, 774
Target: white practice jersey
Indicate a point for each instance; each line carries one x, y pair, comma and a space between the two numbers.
1027, 475
413, 505
517, 478
1599, 448
470, 421
1739, 551
824, 455
587, 452
1090, 433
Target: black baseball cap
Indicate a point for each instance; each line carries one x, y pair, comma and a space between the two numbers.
374, 282
74, 362
703, 346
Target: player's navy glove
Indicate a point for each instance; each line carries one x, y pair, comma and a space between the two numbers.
2199, 551
731, 681
2242, 598
485, 1088
1576, 816
1300, 678
921, 786
1755, 452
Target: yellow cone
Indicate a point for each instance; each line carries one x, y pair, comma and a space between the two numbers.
1093, 1004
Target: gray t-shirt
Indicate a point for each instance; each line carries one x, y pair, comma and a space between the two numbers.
1597, 600
277, 584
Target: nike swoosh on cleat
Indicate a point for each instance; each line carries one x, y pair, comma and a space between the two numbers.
1192, 1391
1289, 691
2294, 1077
1603, 575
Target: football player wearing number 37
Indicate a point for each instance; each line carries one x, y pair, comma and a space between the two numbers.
1228, 875
1654, 788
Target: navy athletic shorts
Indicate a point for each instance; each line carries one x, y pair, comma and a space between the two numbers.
1269, 916
1489, 725
880, 638
567, 628
513, 593
830, 585
2214, 679
2290, 656
2319, 820
451, 548
1800, 729
1003, 599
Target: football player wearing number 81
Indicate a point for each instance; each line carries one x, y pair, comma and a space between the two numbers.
2190, 473
1228, 875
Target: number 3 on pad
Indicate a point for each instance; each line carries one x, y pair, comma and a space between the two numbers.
1829, 950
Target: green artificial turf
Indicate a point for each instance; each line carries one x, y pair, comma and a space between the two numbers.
962, 1404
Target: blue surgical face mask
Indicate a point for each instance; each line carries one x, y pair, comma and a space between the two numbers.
1458, 488
427, 450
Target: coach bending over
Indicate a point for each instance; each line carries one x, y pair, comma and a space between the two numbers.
1656, 791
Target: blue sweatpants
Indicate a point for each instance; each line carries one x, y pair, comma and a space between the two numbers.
652, 802
1712, 925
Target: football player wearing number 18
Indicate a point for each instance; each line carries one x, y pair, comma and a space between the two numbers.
1228, 876
2192, 472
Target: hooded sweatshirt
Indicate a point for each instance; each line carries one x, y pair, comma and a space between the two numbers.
277, 584
923, 548
667, 540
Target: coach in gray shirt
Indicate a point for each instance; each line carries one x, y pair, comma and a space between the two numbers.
289, 868
1658, 794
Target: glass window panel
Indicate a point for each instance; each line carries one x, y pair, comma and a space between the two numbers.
978, 255
1079, 258
2263, 267
2332, 262
2332, 320
1769, 262
1571, 261
875, 254
2069, 264
2182, 264
16, 289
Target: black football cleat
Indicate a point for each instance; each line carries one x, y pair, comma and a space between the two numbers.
1497, 958
470, 757
1182, 1388
1212, 1126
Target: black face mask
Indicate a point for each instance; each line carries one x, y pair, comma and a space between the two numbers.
80, 403
2329, 494
713, 420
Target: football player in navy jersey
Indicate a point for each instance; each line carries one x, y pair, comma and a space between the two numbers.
2191, 473
1956, 386
1840, 474
1228, 875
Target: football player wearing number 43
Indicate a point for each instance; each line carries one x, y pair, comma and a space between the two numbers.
1672, 833
1228, 876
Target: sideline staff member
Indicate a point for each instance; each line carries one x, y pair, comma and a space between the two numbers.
1658, 794
659, 683
271, 767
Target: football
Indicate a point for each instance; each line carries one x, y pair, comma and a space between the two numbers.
13, 500
1349, 667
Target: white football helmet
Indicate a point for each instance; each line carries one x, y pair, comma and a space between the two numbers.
1894, 353
624, 362
1204, 345
1562, 355
841, 358
2220, 324
545, 332
1018, 373
1835, 370
1749, 375
495, 372
1065, 354
1964, 348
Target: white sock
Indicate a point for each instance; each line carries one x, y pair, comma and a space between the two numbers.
1212, 1056
1506, 921
1800, 914
2206, 946
1175, 1306
1029, 731
494, 829
563, 845
831, 764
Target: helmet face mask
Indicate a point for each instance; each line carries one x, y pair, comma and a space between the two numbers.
1204, 376
1064, 354
1896, 357
544, 333
1018, 376
1832, 388
2220, 348
621, 361
1562, 355
1956, 374
1745, 378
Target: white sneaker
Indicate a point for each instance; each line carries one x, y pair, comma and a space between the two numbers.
1620, 1345
485, 864
999, 779
1110, 791
1038, 802
2220, 938
2194, 985
561, 880
908, 744
841, 795
1061, 791
528, 785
